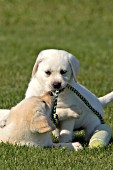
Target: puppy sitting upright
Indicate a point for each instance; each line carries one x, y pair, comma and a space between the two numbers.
28, 123
54, 70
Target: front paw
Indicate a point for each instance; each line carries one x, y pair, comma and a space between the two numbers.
56, 133
65, 136
77, 146
2, 123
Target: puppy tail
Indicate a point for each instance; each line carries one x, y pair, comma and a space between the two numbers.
104, 100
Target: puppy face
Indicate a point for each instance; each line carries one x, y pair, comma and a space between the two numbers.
55, 68
54, 74
41, 121
45, 103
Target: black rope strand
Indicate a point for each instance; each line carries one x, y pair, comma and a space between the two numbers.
54, 114
86, 102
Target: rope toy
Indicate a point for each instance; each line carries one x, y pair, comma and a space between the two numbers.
102, 134
54, 115
86, 102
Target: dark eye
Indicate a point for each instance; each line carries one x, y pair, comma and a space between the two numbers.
48, 72
51, 93
43, 101
63, 71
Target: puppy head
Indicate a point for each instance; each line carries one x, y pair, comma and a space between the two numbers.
40, 121
55, 68
48, 99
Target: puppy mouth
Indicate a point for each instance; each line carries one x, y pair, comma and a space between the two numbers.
60, 89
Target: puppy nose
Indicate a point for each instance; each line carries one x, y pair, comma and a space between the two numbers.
56, 85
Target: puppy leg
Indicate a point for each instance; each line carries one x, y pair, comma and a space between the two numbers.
90, 123
56, 132
4, 113
101, 136
70, 146
64, 115
66, 130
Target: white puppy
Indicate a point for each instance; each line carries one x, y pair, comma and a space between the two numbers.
29, 123
54, 69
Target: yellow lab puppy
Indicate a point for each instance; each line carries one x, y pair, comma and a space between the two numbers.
28, 123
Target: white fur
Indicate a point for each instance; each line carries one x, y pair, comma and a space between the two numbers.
72, 112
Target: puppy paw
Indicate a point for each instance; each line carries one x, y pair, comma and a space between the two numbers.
56, 133
77, 146
2, 123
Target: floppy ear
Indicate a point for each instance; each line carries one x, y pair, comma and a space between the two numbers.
41, 124
38, 60
35, 68
74, 65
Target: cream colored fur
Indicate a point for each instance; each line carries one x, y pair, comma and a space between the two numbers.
58, 67
29, 123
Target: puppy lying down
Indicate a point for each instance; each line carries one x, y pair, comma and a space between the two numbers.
54, 70
28, 123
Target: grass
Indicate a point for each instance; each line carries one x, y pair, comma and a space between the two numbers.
84, 28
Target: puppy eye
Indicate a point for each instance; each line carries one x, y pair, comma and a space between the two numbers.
63, 71
48, 72
43, 101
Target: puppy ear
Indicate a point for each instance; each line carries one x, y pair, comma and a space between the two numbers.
38, 60
35, 68
74, 65
41, 124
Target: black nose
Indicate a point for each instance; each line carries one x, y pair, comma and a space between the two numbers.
56, 85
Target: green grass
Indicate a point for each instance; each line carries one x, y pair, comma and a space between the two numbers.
82, 27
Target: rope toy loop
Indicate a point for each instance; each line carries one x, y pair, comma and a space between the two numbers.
55, 116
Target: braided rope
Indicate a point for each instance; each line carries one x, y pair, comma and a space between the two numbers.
86, 102
55, 116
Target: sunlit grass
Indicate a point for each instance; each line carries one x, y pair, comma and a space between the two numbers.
84, 28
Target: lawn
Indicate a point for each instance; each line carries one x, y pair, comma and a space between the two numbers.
82, 27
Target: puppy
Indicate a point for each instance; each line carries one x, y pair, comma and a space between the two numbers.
28, 123
54, 69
